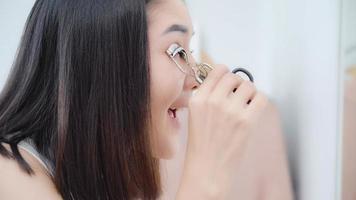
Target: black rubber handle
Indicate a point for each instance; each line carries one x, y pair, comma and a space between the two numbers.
245, 71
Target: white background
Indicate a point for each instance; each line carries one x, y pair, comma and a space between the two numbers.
292, 48
13, 15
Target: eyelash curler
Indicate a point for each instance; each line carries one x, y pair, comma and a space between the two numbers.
201, 70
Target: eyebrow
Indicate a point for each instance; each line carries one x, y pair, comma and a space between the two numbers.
176, 28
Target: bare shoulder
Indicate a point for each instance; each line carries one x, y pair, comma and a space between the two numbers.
17, 184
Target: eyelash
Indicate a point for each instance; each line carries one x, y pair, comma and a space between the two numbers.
180, 46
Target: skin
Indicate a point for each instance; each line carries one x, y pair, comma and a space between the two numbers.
169, 86
215, 144
13, 179
254, 181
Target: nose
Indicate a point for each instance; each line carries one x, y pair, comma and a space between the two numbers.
190, 83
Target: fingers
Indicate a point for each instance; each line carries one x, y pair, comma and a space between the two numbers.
213, 78
258, 103
240, 94
244, 93
226, 85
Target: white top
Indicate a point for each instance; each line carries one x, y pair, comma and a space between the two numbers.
30, 147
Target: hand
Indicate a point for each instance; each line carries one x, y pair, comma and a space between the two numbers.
220, 121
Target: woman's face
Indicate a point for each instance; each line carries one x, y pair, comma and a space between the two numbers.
169, 23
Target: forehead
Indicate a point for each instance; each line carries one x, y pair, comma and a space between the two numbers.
163, 13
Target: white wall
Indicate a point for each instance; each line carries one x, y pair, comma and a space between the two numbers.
13, 15
292, 49
348, 42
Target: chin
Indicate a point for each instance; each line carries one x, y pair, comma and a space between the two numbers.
167, 150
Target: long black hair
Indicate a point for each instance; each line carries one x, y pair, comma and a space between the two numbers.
79, 88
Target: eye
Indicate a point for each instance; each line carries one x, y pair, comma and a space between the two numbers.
175, 49
183, 54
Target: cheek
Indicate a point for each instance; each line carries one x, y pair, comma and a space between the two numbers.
166, 86
166, 81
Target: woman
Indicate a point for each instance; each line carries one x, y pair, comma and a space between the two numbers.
90, 105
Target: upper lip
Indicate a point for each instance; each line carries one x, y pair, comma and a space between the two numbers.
179, 104
182, 101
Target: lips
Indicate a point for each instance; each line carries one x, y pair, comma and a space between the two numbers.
172, 112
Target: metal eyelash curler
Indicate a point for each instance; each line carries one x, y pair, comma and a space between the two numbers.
203, 70
200, 71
